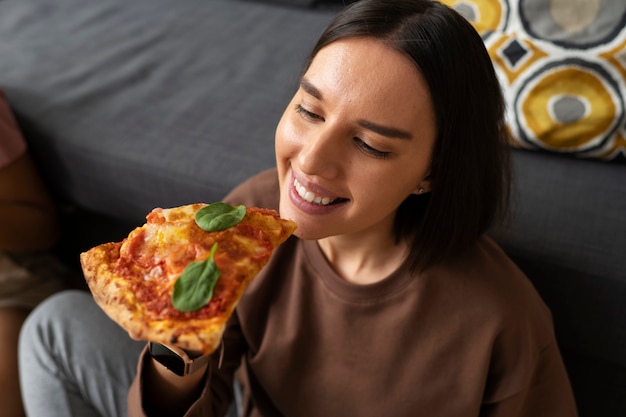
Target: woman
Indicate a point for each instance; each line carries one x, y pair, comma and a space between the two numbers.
391, 157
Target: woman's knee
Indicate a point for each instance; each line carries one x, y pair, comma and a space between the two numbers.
62, 319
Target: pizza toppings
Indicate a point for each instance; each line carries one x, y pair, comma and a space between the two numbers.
219, 216
194, 288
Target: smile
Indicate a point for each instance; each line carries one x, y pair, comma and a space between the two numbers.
311, 197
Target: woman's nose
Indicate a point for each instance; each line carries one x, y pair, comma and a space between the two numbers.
321, 153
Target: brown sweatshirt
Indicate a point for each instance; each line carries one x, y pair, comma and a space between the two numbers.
469, 338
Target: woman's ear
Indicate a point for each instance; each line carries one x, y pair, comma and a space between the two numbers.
424, 186
422, 189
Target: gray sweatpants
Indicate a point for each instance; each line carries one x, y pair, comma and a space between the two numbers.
74, 360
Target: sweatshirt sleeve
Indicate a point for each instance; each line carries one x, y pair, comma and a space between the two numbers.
134, 393
201, 407
217, 395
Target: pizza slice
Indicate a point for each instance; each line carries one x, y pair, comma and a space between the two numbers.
177, 279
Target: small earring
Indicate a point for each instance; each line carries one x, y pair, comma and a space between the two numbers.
420, 190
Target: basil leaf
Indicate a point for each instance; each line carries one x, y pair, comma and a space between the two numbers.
219, 216
194, 288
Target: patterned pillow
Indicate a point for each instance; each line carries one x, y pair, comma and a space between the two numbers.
562, 64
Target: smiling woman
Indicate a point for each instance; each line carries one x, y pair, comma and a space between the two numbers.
358, 133
469, 171
391, 158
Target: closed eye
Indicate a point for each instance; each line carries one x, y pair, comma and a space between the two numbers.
307, 114
360, 143
368, 150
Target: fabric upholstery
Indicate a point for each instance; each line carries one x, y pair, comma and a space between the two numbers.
568, 232
135, 105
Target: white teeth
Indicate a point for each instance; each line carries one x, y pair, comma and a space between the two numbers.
309, 196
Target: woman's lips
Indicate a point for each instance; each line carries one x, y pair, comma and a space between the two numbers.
313, 199
310, 196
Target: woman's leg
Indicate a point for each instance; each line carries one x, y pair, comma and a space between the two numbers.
74, 360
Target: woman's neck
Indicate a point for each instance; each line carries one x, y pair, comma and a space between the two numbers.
364, 259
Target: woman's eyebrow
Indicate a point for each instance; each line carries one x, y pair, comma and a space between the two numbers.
387, 131
309, 88
390, 132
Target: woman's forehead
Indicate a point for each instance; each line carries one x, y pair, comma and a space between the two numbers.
365, 61
367, 71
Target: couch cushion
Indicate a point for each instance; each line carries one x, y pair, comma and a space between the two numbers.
563, 68
568, 233
133, 105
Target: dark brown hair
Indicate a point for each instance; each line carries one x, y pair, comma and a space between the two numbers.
470, 172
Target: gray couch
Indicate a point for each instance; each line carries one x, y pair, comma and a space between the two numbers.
130, 105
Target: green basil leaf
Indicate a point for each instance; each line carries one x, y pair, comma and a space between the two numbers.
219, 216
194, 288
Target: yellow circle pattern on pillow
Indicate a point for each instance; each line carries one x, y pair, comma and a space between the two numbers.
562, 66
